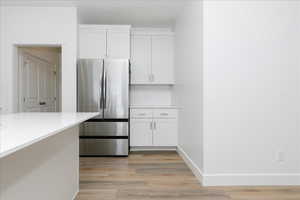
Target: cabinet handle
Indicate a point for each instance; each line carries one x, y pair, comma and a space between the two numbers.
142, 114
151, 126
155, 125
151, 77
164, 114
42, 103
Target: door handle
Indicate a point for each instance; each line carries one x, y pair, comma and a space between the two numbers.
150, 78
102, 86
105, 91
42, 103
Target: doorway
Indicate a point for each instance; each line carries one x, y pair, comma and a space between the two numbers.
39, 79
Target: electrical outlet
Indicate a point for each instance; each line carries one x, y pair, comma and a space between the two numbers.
280, 156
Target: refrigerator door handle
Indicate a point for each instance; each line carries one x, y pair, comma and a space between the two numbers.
101, 86
105, 90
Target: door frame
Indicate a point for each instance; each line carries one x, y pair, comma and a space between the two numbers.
20, 67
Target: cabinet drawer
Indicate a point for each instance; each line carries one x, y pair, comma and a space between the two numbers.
141, 113
165, 113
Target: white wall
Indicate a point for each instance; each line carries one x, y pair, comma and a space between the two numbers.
189, 86
251, 92
40, 26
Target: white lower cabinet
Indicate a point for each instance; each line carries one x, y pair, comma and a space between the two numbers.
148, 130
141, 132
165, 132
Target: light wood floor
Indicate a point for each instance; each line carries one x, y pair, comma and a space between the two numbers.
160, 176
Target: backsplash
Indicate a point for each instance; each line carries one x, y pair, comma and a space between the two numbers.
151, 95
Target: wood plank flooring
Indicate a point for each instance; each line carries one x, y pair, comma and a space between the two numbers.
160, 176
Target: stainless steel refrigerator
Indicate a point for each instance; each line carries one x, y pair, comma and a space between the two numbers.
103, 86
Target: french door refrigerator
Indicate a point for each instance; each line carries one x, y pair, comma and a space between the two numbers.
103, 86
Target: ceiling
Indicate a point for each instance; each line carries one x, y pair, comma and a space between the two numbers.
138, 13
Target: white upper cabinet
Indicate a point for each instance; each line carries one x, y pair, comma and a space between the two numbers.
141, 59
104, 41
92, 42
162, 59
152, 57
118, 44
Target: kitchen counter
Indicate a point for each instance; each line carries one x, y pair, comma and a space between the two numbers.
39, 155
20, 130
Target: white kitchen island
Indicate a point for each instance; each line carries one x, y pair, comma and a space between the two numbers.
39, 155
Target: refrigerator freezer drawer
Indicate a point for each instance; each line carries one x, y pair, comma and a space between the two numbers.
103, 147
104, 129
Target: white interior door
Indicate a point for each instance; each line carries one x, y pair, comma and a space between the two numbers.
30, 85
141, 59
39, 85
163, 59
47, 92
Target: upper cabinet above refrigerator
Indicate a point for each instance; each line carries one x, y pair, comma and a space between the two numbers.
104, 41
152, 58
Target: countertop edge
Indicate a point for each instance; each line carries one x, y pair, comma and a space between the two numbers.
13, 150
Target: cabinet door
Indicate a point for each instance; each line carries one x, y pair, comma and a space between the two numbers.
118, 44
140, 59
92, 43
163, 59
140, 132
165, 132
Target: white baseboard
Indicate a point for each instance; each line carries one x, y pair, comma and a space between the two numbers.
238, 179
152, 148
194, 168
251, 179
75, 195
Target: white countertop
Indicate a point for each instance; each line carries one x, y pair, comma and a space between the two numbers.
20, 130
